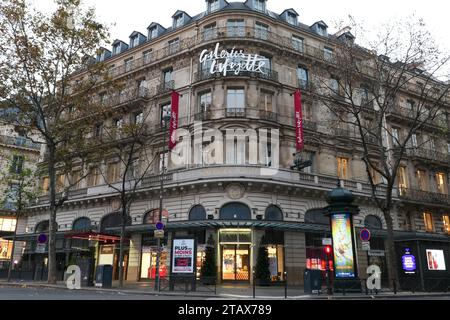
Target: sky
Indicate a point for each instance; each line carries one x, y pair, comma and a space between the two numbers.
135, 15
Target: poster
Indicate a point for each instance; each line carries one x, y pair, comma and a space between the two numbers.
436, 260
183, 251
343, 246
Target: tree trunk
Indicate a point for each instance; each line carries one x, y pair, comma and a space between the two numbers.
122, 246
52, 276
391, 252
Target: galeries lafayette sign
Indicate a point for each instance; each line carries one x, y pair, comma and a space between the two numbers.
233, 61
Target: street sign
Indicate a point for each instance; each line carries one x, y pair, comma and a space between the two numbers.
377, 253
327, 242
159, 234
40, 248
159, 226
42, 238
365, 235
366, 246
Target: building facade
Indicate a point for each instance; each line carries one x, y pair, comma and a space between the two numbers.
17, 153
233, 201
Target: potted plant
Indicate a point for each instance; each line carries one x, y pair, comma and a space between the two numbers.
262, 271
208, 270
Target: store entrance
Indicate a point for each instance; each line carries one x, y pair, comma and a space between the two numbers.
236, 263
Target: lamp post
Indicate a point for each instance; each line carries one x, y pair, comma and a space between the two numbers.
166, 119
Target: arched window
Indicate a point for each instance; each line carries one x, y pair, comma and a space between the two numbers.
113, 220
197, 213
44, 227
82, 224
151, 217
373, 222
317, 216
235, 211
273, 213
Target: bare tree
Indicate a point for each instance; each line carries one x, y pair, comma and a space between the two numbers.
125, 143
39, 55
362, 87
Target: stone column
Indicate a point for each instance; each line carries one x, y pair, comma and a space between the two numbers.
295, 257
134, 262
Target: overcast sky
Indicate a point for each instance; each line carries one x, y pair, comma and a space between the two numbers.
131, 15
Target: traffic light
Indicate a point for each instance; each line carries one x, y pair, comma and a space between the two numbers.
328, 250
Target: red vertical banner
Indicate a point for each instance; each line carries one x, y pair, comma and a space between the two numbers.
299, 120
174, 119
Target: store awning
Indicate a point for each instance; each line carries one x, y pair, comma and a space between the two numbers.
224, 224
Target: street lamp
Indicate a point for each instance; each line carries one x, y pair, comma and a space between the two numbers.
166, 120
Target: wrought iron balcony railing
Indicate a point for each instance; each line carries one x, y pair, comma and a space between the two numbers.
427, 154
424, 196
21, 142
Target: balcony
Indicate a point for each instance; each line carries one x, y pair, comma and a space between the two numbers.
424, 197
127, 96
165, 87
268, 115
427, 154
267, 74
235, 113
20, 142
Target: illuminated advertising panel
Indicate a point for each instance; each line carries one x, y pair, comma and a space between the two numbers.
183, 255
436, 260
343, 246
409, 262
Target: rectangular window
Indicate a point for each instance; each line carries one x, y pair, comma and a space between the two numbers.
135, 41
292, 18
335, 87
17, 164
147, 56
213, 5
260, 5
428, 220
178, 21
112, 172
236, 28
93, 177
46, 185
395, 137
116, 49
153, 33
446, 221
261, 31
328, 54
266, 101
448, 148
210, 32
76, 179
421, 180
139, 118
297, 43
167, 76
205, 101
174, 46
440, 179
128, 64
414, 140
343, 168
322, 30
236, 99
8, 225
302, 76
60, 183
402, 181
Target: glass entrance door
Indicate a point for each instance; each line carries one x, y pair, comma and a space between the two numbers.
236, 263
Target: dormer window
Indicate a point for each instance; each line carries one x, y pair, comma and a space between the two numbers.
292, 18
178, 21
322, 30
260, 5
153, 33
135, 41
116, 49
213, 5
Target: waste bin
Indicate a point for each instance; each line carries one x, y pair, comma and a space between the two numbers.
103, 276
313, 281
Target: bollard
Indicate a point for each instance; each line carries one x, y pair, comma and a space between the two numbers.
395, 287
254, 285
285, 286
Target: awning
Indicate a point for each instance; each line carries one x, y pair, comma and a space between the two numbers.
223, 224
91, 236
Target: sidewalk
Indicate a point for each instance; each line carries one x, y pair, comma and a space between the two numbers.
229, 292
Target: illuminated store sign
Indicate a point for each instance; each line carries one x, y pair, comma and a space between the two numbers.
409, 262
436, 260
343, 246
224, 62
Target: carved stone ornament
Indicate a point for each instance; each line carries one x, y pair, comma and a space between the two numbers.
235, 191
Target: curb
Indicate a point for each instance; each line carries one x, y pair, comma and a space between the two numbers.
226, 295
